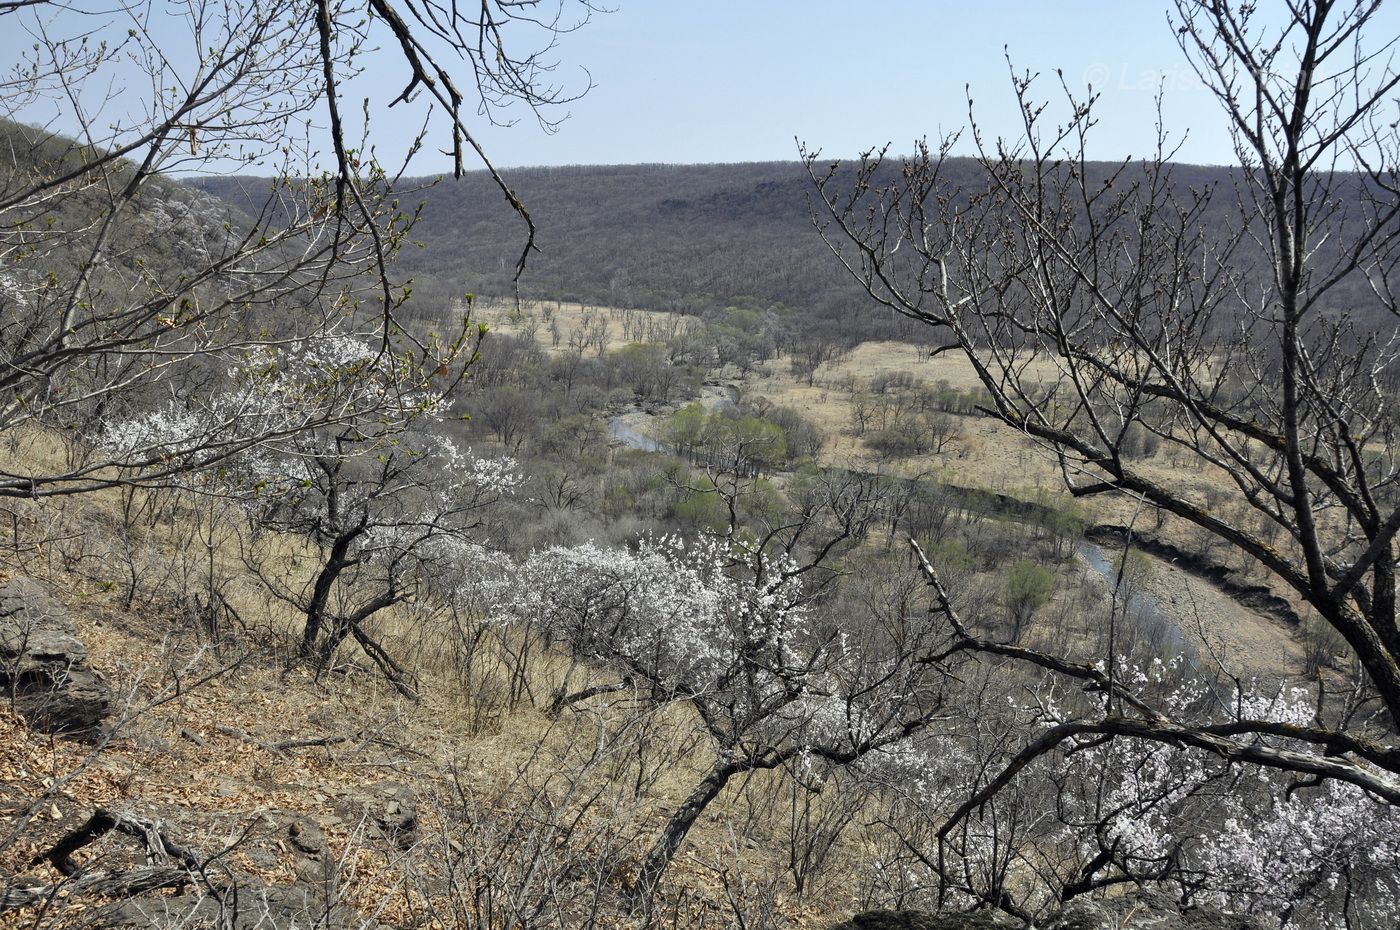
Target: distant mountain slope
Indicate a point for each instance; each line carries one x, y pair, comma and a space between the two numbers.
664, 237
655, 236
164, 225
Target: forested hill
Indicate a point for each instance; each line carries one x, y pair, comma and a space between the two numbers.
654, 236
664, 237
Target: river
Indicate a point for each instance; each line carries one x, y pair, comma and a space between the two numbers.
634, 429
1151, 613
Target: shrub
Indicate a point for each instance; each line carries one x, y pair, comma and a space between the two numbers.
1028, 588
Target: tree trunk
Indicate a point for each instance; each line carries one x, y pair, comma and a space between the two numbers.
660, 854
330, 642
321, 593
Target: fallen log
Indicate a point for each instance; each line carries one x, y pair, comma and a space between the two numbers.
126, 884
169, 864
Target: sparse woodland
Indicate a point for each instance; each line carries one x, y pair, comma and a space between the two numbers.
1031, 563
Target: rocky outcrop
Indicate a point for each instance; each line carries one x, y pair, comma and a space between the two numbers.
919, 920
253, 907
43, 665
138, 871
1145, 911
391, 807
1139, 911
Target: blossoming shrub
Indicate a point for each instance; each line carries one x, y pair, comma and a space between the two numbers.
1125, 812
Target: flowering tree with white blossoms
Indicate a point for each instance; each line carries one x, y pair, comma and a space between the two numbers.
1248, 326
1241, 837
268, 402
387, 514
1047, 808
384, 498
118, 283
727, 631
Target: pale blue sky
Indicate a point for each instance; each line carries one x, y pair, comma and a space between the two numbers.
726, 80
735, 81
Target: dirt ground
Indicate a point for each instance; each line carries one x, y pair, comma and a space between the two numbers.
1241, 641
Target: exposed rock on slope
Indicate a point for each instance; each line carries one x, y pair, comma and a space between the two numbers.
391, 807
43, 665
1143, 911
918, 920
151, 857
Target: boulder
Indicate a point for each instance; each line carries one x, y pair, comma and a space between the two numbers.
1144, 910
43, 665
252, 907
392, 807
920, 920
113, 892
315, 866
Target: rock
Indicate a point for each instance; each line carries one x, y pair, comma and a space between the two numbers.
314, 866
1144, 911
307, 836
919, 920
228, 897
390, 806
44, 665
267, 841
1140, 911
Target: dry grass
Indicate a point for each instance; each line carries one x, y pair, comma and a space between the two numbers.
199, 759
988, 453
188, 754
571, 319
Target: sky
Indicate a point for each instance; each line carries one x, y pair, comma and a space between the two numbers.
730, 81
681, 81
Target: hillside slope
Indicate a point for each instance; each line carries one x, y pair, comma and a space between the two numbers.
670, 237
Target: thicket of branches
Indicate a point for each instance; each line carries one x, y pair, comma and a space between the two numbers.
1235, 321
120, 287
259, 377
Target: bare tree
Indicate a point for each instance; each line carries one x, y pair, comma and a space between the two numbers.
386, 515
1250, 327
116, 283
723, 626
